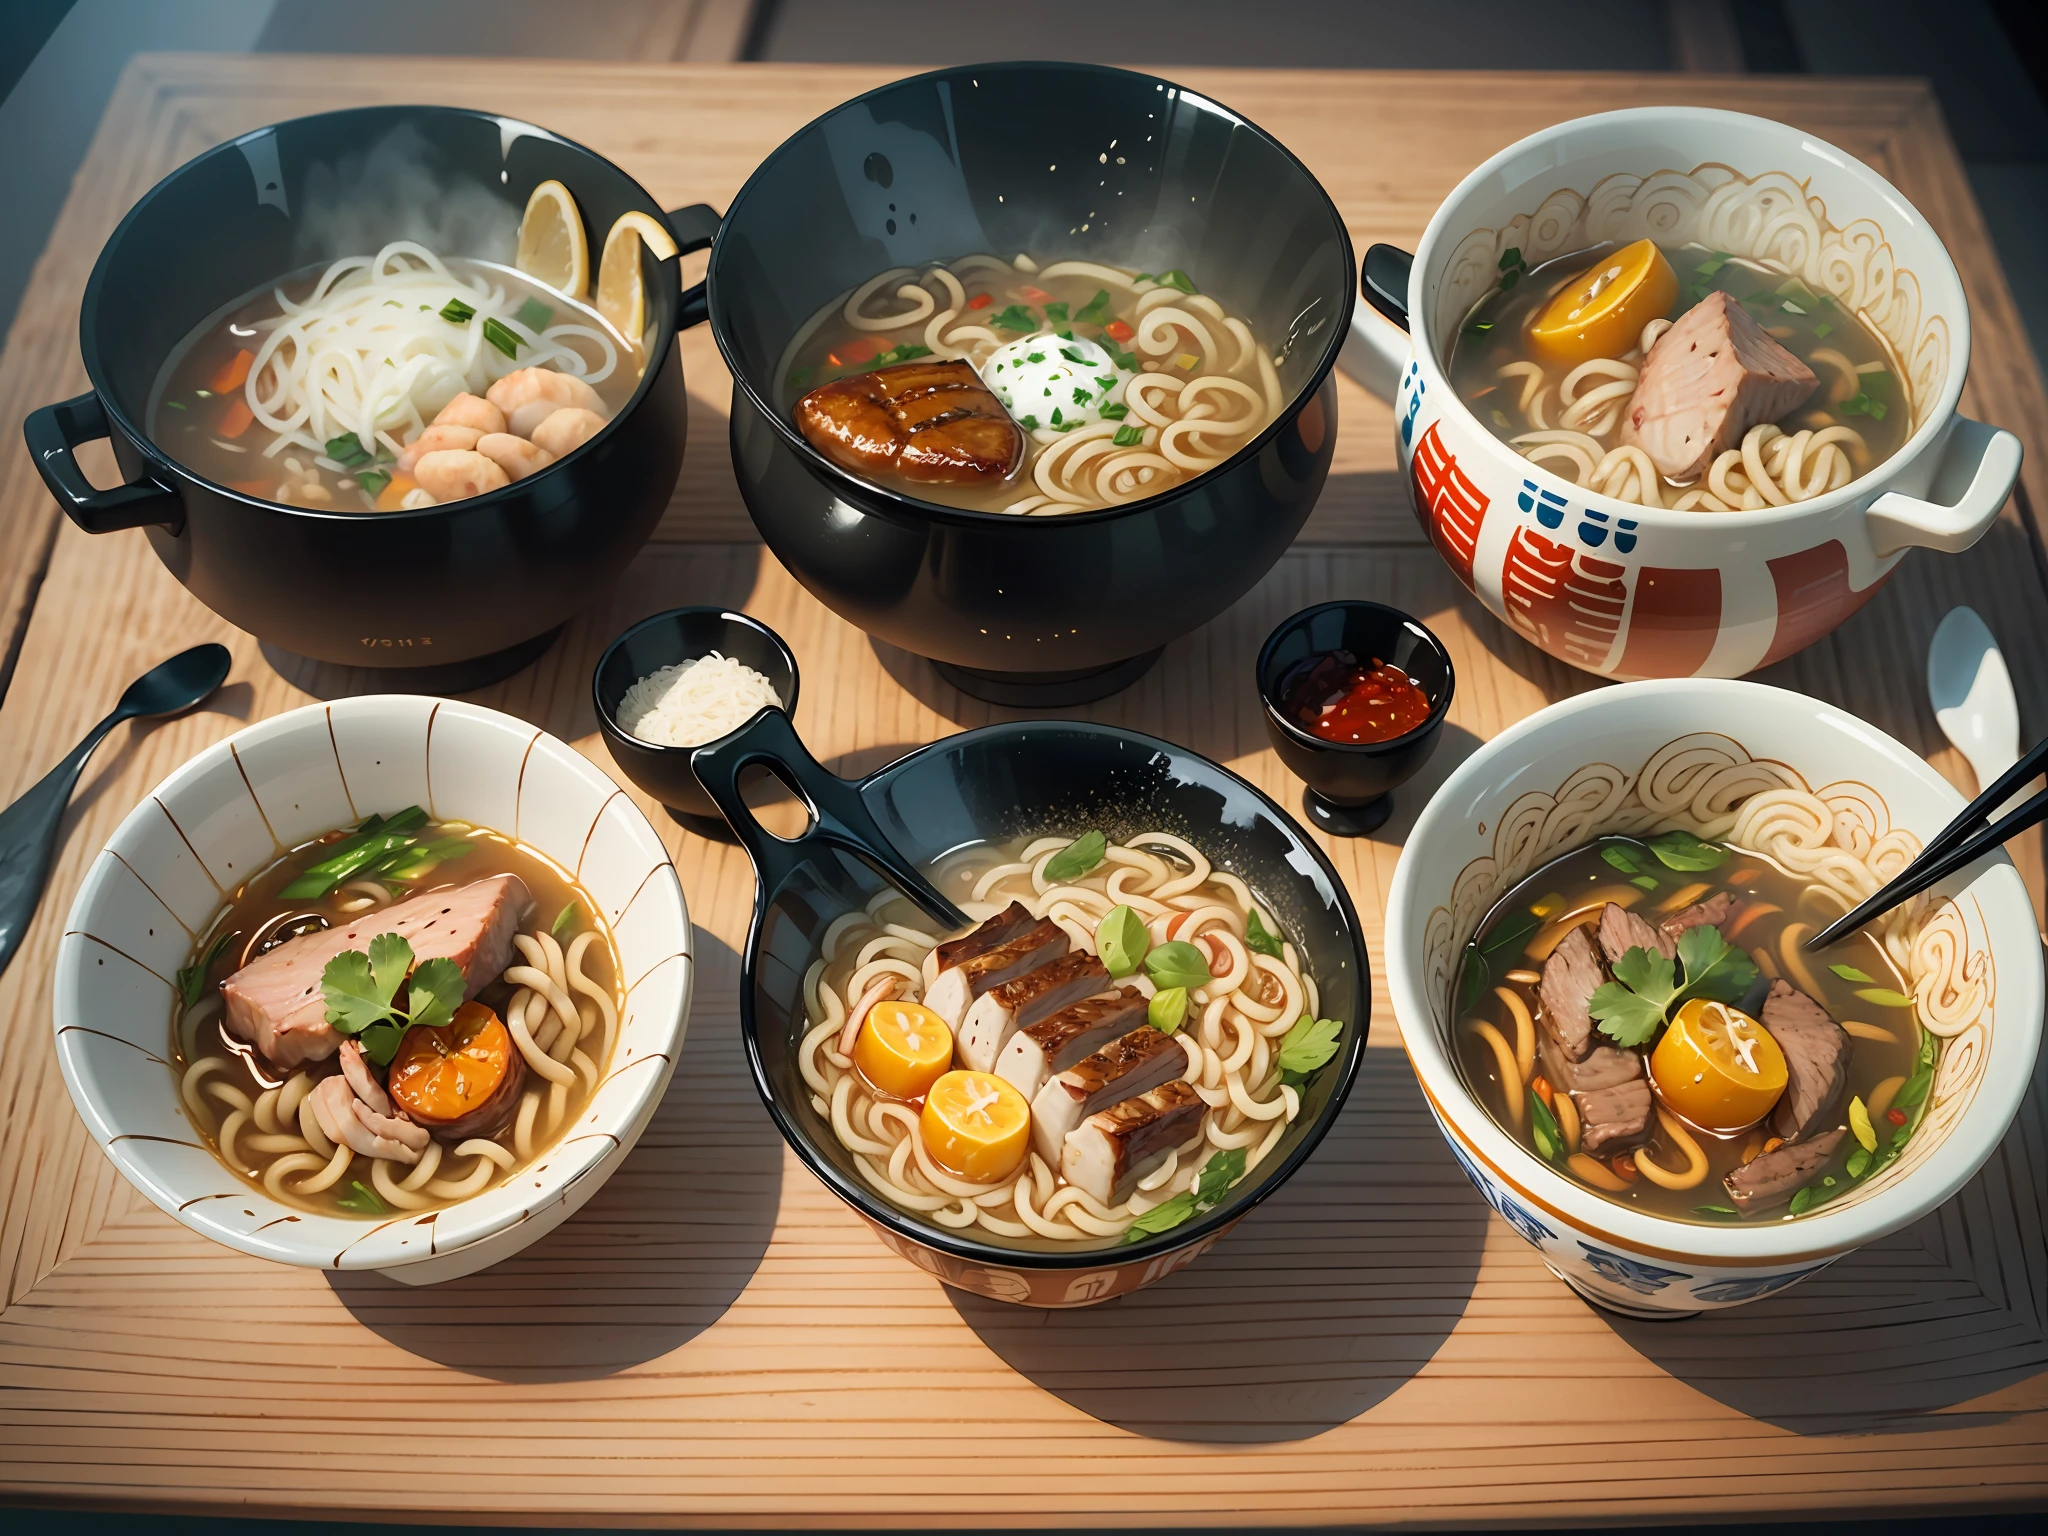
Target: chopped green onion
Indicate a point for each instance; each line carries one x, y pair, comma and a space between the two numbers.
373, 481
1711, 265
1073, 355
1820, 332
1096, 311
1029, 423
1112, 411
1015, 318
501, 338
1055, 415
1128, 437
1176, 278
455, 312
1056, 314
533, 315
1034, 357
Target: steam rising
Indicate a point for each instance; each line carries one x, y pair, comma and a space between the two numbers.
396, 190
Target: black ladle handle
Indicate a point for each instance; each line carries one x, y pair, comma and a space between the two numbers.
28, 837
1383, 281
53, 431
839, 816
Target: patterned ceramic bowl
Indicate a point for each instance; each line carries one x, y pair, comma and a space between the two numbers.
1687, 754
1635, 591
234, 808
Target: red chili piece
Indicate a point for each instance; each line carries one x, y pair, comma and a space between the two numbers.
1896, 1116
980, 301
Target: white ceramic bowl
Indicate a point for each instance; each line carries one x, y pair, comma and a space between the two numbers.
234, 808
1638, 756
1632, 591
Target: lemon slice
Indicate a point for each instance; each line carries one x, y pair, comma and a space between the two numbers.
551, 244
903, 1048
1602, 311
1718, 1067
975, 1126
621, 297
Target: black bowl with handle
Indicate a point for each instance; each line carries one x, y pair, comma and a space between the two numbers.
991, 785
1064, 161
445, 597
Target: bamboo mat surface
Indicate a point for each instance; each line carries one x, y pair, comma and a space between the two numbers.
714, 1340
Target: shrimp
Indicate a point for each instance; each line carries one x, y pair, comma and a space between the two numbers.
515, 455
452, 474
436, 439
567, 429
348, 1120
528, 396
467, 410
880, 991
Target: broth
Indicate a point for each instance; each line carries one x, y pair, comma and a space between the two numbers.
1711, 1117
1122, 1110
260, 1116
1136, 381
1568, 415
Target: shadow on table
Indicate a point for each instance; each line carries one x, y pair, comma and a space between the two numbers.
1317, 1306
655, 1258
1948, 1311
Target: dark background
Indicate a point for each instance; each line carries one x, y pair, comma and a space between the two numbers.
1987, 59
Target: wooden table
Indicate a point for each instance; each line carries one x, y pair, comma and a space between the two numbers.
715, 1340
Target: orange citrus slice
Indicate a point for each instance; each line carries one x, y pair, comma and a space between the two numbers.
1602, 311
552, 249
1718, 1067
621, 296
903, 1048
975, 1125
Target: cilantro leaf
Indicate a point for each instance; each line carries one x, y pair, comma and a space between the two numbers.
191, 979
1015, 318
1682, 851
354, 1001
1308, 1045
1648, 974
1211, 1185
1713, 967
1258, 937
390, 959
380, 1041
435, 993
1626, 1018
1222, 1171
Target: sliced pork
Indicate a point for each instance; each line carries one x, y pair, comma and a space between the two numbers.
1772, 1178
1621, 931
1127, 1067
959, 985
1712, 912
1013, 922
1115, 1147
1039, 993
1571, 976
1706, 382
275, 1003
1816, 1060
1073, 1034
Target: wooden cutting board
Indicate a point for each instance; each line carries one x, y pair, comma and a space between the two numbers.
714, 1339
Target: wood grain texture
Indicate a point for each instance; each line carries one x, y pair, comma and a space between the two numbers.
714, 1340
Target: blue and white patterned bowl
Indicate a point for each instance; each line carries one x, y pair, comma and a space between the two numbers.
234, 808
1674, 752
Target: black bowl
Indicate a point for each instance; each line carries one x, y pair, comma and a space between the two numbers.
681, 634
1349, 784
995, 783
1013, 157
457, 593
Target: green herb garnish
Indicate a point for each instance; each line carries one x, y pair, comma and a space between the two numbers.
1175, 278
1258, 937
1029, 423
455, 312
1511, 267
1647, 882
1167, 1010
347, 450
1478, 328
1177, 963
1079, 856
1056, 313
191, 979
903, 352
1074, 355
1715, 1210
1305, 1047
1112, 411
1850, 973
799, 377
1015, 318
1517, 929
1807, 1198
1128, 437
565, 920
364, 1201
376, 840
1822, 331
1863, 405
1884, 997
1083, 396
1618, 855
360, 990
1543, 1129
1646, 986
1056, 416
534, 315
373, 481
1121, 940
1211, 1184
1680, 850
1472, 977
501, 337
176, 405
1095, 311
1711, 265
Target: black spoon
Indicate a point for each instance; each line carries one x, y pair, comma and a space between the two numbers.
28, 828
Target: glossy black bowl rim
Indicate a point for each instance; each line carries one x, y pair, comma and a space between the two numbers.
874, 497
664, 297
610, 726
1437, 710
871, 1205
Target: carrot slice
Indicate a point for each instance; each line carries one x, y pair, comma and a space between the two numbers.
392, 497
1035, 295
861, 349
234, 421
234, 373
264, 488
1117, 330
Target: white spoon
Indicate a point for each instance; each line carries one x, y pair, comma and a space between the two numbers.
1971, 691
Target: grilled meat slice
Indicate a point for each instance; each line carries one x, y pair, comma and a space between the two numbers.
1076, 1032
930, 421
1607, 1087
1014, 921
1816, 1060
1135, 1064
1772, 1178
1571, 976
1115, 1147
1711, 912
1621, 931
1001, 1011
1706, 382
958, 986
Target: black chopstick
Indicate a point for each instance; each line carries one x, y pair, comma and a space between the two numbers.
1961, 842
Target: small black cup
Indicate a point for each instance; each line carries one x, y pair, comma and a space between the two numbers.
1348, 784
681, 634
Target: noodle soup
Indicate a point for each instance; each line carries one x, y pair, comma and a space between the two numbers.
1124, 1036
1007, 386
395, 1016
1640, 1015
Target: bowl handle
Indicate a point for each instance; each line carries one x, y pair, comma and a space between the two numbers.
1373, 354
840, 818
53, 431
1979, 465
694, 227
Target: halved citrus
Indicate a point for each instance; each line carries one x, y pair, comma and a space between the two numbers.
1602, 311
1718, 1067
551, 244
621, 297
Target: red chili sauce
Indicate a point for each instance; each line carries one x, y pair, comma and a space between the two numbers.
1340, 698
